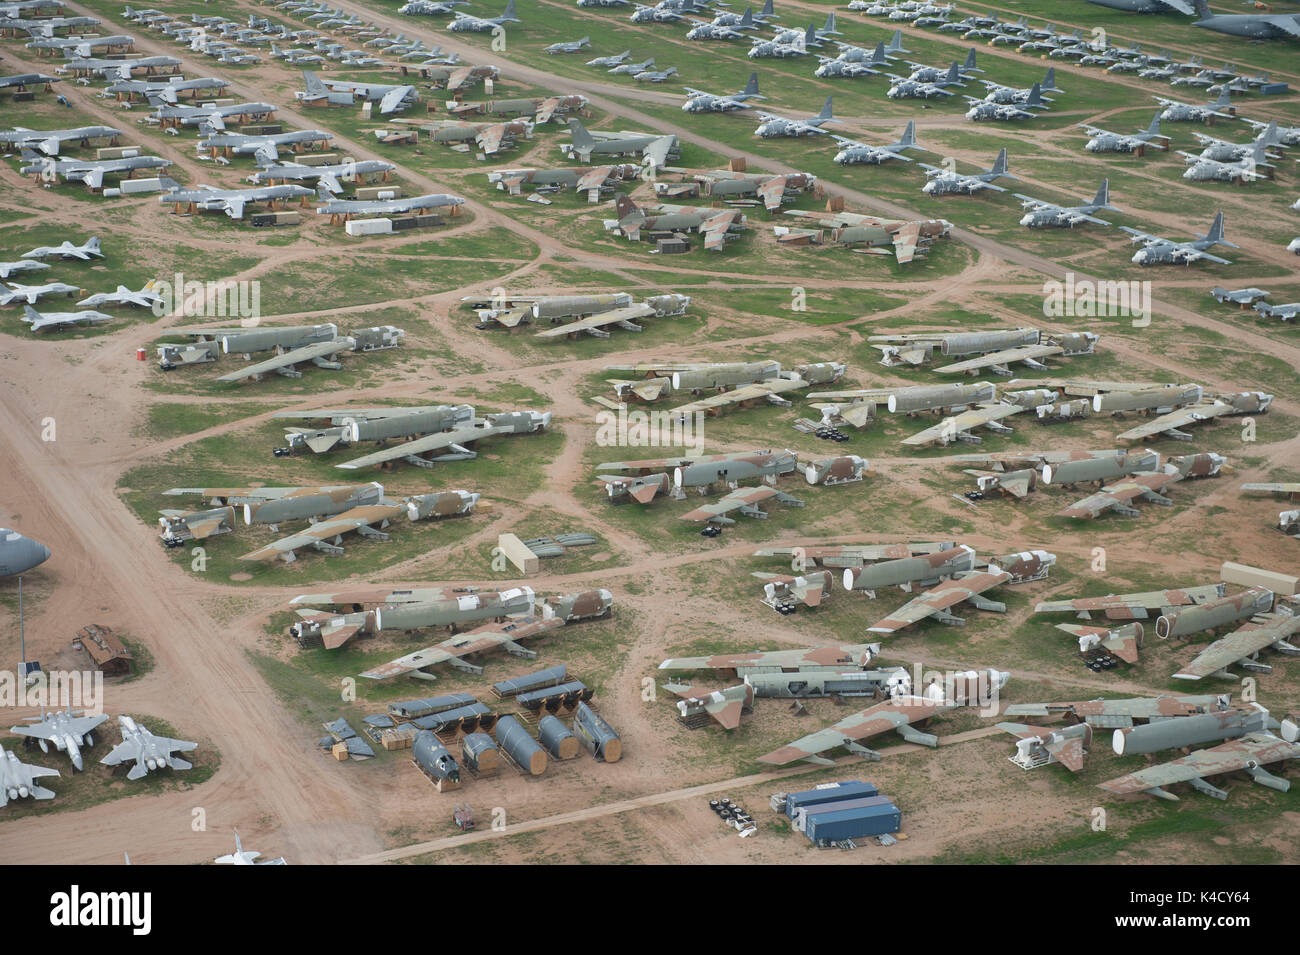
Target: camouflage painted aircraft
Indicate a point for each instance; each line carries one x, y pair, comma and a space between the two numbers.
897, 714
1243, 646
715, 225
599, 323
1121, 713
1136, 606
851, 555
1210, 614
854, 656
453, 445
1145, 485
596, 181
725, 707
1250, 753
742, 499
654, 148
772, 190
906, 572
784, 592
1037, 746
935, 602
905, 237
1123, 642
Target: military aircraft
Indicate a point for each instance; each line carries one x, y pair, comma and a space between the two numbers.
1123, 642
599, 323
907, 237
742, 499
230, 201
1209, 614
1122, 713
700, 472
1176, 111
628, 69
264, 148
1224, 151
505, 634
119, 68
1147, 6
996, 348
391, 98
713, 224
905, 572
739, 386
464, 23
1038, 746
1245, 297
936, 601
943, 182
853, 61
1160, 251
145, 298
453, 445
733, 29
51, 141
1286, 313
18, 779
430, 8
1136, 606
353, 425
347, 208
613, 60
1249, 168
784, 592
242, 856
1210, 407
19, 82
1258, 26
489, 137
24, 265
571, 46
1144, 485
819, 35
943, 74
90, 172
852, 151
814, 658
39, 321
30, 293
795, 44
1104, 140
655, 76
1251, 752
897, 714
67, 250
771, 189
66, 729
147, 751
19, 554
331, 176
655, 149
699, 101
165, 91
1043, 214
901, 88
725, 707
981, 109
81, 45
1242, 647
211, 116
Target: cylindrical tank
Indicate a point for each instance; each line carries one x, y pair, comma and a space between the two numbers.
405, 425
479, 752
597, 735
432, 757
968, 343
557, 739
522, 748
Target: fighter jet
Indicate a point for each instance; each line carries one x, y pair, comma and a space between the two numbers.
1043, 214
147, 751
24, 265
331, 177
655, 76
629, 69
1258, 26
610, 61
1160, 251
943, 182
852, 151
1245, 297
391, 98
231, 201
699, 101
39, 321
50, 141
17, 779
19, 554
572, 46
242, 856
715, 225
464, 23
67, 250
30, 293
1102, 141
1285, 313
1176, 111
898, 715
67, 730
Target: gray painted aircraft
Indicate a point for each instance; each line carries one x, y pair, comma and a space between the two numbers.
943, 182
242, 856
89, 172
982, 109
655, 76
1043, 214
120, 69
50, 141
30, 293
147, 751
1148, 6
165, 91
1104, 141
145, 298
570, 46
81, 45
699, 101
353, 207
997, 93
23, 265
773, 126
231, 201
212, 116
67, 250
464, 23
652, 147
630, 69
1160, 251
611, 61
391, 98
1248, 168
264, 148
19, 554
354, 425
67, 730
1176, 111
1257, 26
21, 81
18, 779
39, 321
331, 176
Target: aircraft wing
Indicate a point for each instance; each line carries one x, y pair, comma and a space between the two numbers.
123, 751
593, 178
44, 729
323, 530
714, 228
771, 192
616, 316
1133, 606
1138, 234
1174, 420
289, 358
725, 706
905, 242
505, 634
1004, 357
1286, 23
394, 98
1068, 752
1182, 6
657, 152
850, 656
1123, 642
455, 440
1117, 495
1194, 254
751, 392
874, 720
1261, 632
1268, 488
1248, 752
489, 138
948, 430
938, 599
202, 528
743, 499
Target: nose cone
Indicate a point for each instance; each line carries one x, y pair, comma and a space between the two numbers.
1026, 219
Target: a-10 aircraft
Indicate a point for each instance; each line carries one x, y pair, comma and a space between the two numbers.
852, 151
943, 182
1041, 214
1157, 250
1104, 141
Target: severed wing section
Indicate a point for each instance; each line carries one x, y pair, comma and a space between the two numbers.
1240, 647
451, 441
594, 324
1116, 497
1251, 753
318, 534
958, 427
317, 353
937, 600
1172, 422
751, 392
1133, 606
505, 634
745, 500
1004, 357
897, 714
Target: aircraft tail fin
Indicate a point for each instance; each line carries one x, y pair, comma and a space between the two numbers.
1102, 199
970, 60
830, 23
1215, 235
1154, 128
746, 19
895, 43
92, 244
751, 88
581, 138
767, 10
1000, 164
825, 114
314, 85
1203, 9
1049, 81
954, 73
625, 207
1035, 97
810, 36
909, 134
30, 315
1225, 98
509, 12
